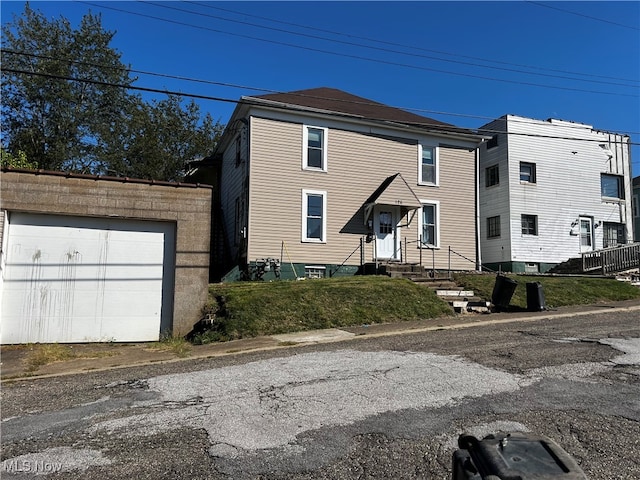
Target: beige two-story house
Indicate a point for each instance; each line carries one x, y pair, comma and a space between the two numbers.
320, 182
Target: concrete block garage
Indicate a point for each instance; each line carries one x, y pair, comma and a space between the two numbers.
95, 259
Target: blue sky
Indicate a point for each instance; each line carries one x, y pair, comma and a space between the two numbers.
463, 63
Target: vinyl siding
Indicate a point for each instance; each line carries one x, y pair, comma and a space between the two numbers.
358, 163
494, 200
232, 187
569, 162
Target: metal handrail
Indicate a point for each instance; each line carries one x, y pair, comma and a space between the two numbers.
359, 247
482, 267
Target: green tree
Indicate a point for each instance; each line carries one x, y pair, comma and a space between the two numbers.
66, 104
159, 138
57, 121
19, 160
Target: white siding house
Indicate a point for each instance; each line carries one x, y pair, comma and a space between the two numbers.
551, 190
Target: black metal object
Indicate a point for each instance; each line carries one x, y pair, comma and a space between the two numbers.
513, 456
502, 292
535, 297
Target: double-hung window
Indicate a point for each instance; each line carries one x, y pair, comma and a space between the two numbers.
428, 165
492, 176
429, 224
527, 172
529, 224
611, 186
493, 227
314, 148
314, 216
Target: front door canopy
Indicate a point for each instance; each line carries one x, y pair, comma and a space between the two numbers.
396, 192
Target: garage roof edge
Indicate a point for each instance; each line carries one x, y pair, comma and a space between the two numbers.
105, 178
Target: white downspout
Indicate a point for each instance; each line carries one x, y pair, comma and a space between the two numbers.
478, 249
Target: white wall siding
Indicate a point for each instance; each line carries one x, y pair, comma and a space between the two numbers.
494, 200
569, 160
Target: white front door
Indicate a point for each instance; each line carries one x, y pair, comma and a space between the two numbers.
387, 237
586, 234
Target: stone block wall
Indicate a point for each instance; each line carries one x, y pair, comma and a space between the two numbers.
186, 205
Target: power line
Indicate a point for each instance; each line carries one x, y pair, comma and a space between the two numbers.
387, 50
248, 101
357, 57
598, 19
266, 90
440, 52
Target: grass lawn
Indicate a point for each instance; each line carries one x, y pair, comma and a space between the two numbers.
558, 291
249, 309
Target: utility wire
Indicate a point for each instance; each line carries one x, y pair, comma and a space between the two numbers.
382, 42
288, 108
356, 57
388, 50
265, 90
598, 19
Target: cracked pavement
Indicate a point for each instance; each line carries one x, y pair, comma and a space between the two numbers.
376, 408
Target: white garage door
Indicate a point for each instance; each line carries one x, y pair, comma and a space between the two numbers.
77, 279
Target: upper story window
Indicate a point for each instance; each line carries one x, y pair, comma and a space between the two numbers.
429, 224
611, 186
527, 172
636, 205
492, 142
529, 224
492, 176
493, 227
314, 216
427, 165
314, 149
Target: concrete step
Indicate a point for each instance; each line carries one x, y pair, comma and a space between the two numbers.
454, 293
475, 306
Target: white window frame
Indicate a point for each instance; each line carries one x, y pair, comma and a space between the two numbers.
305, 148
436, 204
436, 164
315, 271
305, 197
533, 174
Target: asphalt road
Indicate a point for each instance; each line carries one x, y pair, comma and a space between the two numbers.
388, 407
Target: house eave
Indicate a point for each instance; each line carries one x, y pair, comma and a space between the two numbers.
447, 132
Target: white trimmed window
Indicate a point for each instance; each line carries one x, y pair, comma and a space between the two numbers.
314, 148
314, 216
528, 172
428, 165
430, 224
